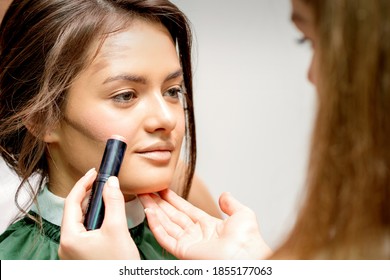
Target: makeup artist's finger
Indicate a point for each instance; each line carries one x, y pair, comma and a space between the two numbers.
183, 205
84, 203
168, 242
82, 185
175, 215
114, 203
169, 225
229, 205
147, 201
72, 208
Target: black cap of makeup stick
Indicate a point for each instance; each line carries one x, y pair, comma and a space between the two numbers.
109, 166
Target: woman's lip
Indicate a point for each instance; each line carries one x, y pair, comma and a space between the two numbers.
157, 147
157, 155
159, 152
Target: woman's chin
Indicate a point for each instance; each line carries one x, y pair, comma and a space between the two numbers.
144, 190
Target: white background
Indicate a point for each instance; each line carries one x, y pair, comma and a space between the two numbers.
254, 106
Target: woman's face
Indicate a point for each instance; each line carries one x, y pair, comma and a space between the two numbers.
133, 88
303, 18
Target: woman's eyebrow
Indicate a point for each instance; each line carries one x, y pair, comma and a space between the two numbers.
297, 18
174, 75
126, 77
140, 79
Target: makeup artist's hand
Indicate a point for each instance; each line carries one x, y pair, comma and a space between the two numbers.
189, 233
111, 241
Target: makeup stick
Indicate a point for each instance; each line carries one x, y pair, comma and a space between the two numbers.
109, 166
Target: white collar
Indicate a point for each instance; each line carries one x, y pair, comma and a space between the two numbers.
51, 208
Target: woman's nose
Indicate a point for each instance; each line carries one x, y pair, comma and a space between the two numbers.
312, 71
161, 115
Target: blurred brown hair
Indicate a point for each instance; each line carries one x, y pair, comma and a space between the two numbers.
346, 211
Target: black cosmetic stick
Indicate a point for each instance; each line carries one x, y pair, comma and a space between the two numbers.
110, 165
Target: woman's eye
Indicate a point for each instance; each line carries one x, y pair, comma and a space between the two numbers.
175, 92
305, 40
124, 97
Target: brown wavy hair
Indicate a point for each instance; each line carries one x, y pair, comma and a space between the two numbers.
346, 210
43, 47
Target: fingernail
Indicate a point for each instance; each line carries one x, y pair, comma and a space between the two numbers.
113, 182
89, 173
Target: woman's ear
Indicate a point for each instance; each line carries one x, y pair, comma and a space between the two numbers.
51, 135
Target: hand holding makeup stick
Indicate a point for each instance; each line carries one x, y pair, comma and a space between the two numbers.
189, 233
111, 241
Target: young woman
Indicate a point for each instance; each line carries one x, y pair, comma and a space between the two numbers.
345, 213
76, 72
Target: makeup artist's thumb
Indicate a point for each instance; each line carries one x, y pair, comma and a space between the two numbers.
229, 205
114, 204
